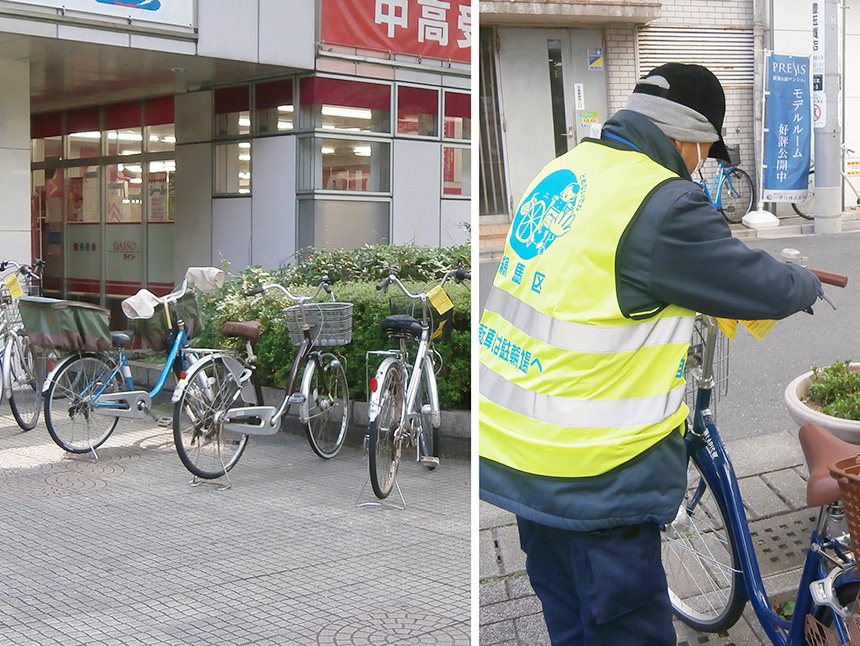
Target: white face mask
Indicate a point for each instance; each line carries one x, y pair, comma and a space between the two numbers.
700, 162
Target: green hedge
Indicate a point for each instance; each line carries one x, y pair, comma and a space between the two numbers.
276, 352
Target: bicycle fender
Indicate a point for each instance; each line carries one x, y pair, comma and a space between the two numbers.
59, 365
373, 402
6, 376
237, 371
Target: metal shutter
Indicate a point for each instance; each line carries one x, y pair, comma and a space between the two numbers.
727, 52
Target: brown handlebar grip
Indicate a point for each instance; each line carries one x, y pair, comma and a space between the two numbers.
838, 280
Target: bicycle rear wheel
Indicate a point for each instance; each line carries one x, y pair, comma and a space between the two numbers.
327, 396
806, 209
737, 195
699, 559
386, 437
26, 373
70, 407
206, 449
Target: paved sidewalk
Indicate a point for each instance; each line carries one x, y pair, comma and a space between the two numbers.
123, 551
773, 487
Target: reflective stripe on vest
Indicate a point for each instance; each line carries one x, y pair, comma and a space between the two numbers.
569, 386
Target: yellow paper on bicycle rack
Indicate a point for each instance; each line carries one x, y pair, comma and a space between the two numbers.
440, 300
14, 286
759, 328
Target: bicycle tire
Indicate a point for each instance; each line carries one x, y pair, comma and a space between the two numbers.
326, 395
700, 560
69, 409
806, 209
386, 438
428, 435
26, 374
737, 195
205, 448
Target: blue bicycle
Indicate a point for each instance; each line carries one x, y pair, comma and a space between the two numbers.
711, 566
731, 192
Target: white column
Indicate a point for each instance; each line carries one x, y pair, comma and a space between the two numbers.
15, 160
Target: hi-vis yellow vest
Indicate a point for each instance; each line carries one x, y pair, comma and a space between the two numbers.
569, 386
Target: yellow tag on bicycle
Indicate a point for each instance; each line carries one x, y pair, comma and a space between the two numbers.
728, 327
758, 328
14, 286
440, 300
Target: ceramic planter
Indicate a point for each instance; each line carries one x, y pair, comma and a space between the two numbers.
846, 429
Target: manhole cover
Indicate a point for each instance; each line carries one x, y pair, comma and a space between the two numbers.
394, 627
780, 542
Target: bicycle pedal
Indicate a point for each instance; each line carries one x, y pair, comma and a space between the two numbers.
165, 422
429, 459
296, 398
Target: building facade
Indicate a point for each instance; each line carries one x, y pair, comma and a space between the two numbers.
144, 137
549, 70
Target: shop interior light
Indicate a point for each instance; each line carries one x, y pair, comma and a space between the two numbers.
244, 157
85, 135
285, 108
131, 168
245, 122
327, 150
244, 144
285, 125
244, 191
361, 151
348, 113
245, 175
124, 136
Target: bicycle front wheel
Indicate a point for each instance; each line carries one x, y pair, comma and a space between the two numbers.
806, 209
26, 374
206, 449
327, 398
737, 195
699, 559
428, 435
70, 410
386, 433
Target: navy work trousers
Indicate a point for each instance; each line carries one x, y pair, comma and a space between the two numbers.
599, 588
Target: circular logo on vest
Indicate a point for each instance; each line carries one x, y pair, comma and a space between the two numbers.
546, 214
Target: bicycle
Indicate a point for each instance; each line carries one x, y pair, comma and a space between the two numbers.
89, 390
22, 365
732, 191
209, 411
404, 400
708, 553
806, 208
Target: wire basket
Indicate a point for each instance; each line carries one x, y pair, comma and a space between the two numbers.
330, 323
693, 366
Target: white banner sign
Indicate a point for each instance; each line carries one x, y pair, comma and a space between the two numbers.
168, 12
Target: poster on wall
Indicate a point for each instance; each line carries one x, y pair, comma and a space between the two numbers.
168, 12
427, 28
788, 138
158, 211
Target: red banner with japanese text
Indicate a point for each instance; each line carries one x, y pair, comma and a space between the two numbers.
429, 28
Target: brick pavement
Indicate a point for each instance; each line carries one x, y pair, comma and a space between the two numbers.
770, 474
123, 551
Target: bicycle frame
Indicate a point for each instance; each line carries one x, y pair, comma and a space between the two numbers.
714, 192
704, 442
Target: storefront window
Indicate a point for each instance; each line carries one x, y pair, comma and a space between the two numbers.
160, 196
353, 106
343, 224
85, 137
123, 129
456, 171
124, 193
232, 111
83, 194
417, 111
458, 116
274, 107
344, 165
233, 168
160, 130
47, 142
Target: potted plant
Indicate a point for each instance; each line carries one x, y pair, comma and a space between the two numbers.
830, 397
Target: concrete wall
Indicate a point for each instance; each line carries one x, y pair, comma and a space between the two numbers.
15, 160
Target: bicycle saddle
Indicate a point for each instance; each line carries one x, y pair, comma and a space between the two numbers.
821, 449
120, 339
401, 323
243, 329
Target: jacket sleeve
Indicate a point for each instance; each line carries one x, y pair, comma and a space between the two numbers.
678, 250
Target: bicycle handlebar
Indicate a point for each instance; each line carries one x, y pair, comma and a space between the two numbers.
830, 278
325, 284
27, 270
459, 275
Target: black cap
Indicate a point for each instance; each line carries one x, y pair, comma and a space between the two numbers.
695, 87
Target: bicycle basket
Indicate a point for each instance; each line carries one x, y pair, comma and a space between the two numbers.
693, 366
153, 331
847, 474
734, 155
330, 323
65, 326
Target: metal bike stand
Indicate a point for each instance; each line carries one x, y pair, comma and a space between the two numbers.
196, 482
381, 503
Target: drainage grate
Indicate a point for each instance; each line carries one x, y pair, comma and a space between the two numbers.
781, 541
394, 627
